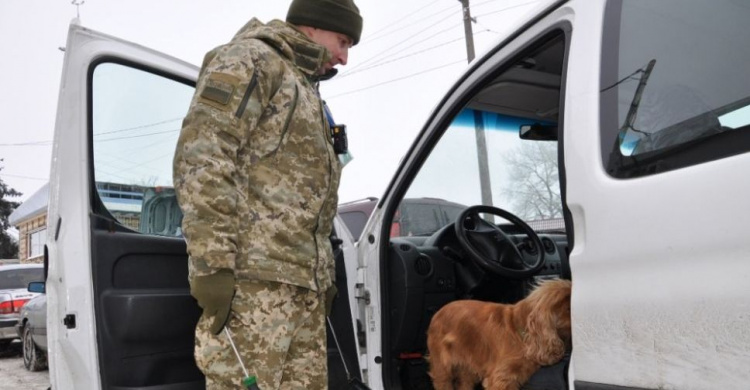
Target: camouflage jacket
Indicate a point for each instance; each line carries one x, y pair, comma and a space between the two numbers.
255, 171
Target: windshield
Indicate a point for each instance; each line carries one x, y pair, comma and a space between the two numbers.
500, 150
518, 175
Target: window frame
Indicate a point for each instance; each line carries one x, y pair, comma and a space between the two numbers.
97, 207
30, 246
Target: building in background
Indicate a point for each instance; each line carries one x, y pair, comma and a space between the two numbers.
30, 218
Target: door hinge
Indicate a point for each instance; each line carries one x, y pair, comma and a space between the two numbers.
361, 293
70, 321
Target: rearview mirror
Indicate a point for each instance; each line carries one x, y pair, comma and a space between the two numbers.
36, 287
538, 132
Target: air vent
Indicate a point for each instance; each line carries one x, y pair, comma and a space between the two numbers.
423, 265
549, 245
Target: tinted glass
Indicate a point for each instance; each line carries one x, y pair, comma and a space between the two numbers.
355, 221
20, 278
419, 219
136, 117
675, 84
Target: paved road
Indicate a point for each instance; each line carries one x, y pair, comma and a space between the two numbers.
13, 376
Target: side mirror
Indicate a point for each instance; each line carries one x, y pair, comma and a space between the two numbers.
36, 287
538, 132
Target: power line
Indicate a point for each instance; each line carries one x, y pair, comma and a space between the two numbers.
412, 24
376, 65
373, 36
141, 126
49, 142
507, 8
23, 177
137, 136
357, 68
398, 58
396, 79
32, 143
369, 39
382, 60
396, 45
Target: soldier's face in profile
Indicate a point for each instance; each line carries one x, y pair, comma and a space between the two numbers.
338, 44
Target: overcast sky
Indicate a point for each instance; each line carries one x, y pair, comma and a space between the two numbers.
409, 55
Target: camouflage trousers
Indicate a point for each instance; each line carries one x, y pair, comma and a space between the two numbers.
278, 329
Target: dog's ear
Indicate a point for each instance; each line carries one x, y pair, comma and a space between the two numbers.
542, 344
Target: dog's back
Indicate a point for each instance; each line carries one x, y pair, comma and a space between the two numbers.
470, 341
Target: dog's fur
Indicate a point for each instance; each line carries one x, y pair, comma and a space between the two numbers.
497, 344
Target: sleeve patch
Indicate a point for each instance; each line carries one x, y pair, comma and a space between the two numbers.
219, 88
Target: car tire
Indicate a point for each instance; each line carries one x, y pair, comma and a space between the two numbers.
34, 359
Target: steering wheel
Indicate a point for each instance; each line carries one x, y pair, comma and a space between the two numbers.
493, 250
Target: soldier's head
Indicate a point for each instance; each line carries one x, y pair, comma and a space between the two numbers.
334, 24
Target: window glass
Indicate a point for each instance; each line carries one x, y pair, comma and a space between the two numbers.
419, 219
137, 117
675, 84
36, 243
20, 278
355, 221
483, 157
451, 213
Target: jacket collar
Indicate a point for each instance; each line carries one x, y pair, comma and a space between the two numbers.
307, 55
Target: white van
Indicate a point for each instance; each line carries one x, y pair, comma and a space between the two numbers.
616, 131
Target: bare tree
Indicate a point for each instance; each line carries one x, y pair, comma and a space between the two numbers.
535, 192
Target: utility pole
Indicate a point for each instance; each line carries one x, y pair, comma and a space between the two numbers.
484, 170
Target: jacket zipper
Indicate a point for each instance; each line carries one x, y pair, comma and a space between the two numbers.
328, 194
250, 87
288, 119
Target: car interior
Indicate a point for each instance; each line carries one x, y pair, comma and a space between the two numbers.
515, 109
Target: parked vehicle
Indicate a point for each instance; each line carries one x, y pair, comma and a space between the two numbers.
32, 329
415, 217
14, 280
614, 152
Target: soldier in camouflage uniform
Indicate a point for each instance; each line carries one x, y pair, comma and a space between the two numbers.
257, 178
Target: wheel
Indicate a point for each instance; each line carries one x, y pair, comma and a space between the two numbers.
493, 250
34, 359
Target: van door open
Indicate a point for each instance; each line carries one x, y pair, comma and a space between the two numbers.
120, 311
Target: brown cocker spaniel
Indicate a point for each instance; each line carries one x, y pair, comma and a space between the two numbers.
499, 345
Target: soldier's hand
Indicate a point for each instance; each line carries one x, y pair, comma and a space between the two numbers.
214, 294
330, 295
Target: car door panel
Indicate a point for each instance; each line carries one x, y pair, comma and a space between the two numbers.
120, 313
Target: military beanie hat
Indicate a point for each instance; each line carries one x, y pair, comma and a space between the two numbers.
341, 16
